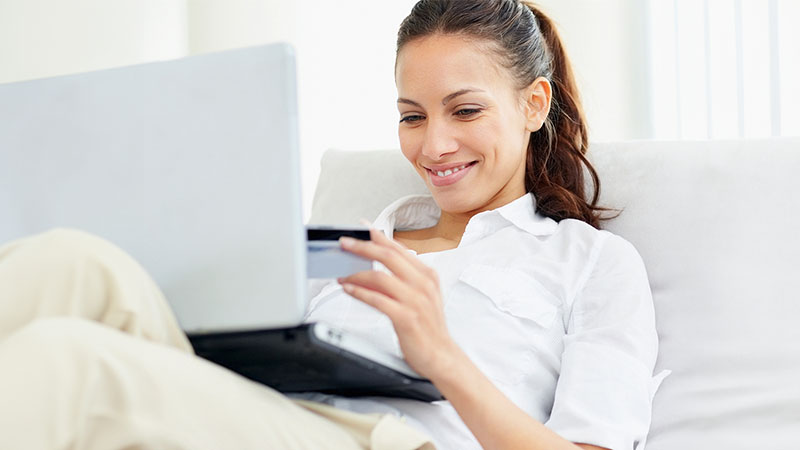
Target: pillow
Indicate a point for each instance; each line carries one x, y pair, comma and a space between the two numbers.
358, 185
717, 226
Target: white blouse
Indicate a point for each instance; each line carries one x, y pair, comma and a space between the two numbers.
558, 315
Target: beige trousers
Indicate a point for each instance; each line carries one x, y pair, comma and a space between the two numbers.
91, 357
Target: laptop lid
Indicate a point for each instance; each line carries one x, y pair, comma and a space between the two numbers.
191, 166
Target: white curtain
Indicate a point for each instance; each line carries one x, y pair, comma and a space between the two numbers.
725, 68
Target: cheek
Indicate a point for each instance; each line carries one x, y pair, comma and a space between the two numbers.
491, 139
514, 136
409, 144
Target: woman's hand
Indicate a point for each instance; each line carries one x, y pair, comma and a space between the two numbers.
410, 296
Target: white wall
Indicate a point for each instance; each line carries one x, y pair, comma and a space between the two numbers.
42, 38
218, 25
607, 42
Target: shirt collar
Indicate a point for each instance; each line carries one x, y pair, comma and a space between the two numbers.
522, 213
421, 211
412, 212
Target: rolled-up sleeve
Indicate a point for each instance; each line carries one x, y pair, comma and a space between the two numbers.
605, 387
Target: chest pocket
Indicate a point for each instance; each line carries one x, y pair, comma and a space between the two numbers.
503, 319
513, 292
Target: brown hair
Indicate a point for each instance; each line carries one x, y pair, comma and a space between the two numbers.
528, 45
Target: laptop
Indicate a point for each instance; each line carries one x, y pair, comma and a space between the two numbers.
192, 167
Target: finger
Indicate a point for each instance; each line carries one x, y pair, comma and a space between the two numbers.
407, 267
384, 283
426, 277
379, 237
375, 299
389, 256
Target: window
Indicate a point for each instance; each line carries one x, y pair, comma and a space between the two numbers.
725, 68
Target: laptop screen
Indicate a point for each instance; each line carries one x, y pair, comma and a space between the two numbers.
191, 166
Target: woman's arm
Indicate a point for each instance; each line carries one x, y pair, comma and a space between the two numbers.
495, 420
412, 300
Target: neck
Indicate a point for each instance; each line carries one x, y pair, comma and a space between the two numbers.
451, 226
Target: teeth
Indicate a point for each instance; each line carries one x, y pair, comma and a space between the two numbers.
450, 171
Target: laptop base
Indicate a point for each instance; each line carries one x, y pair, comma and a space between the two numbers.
295, 360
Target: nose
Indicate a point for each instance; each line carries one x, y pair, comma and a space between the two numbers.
439, 140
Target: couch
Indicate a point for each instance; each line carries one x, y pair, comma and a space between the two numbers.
718, 226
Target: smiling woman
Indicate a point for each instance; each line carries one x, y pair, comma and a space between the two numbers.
499, 287
508, 103
490, 119
470, 124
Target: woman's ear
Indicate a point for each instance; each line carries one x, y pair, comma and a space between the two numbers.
537, 103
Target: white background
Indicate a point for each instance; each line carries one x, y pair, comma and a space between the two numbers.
620, 50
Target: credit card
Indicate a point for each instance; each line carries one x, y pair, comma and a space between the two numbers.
325, 256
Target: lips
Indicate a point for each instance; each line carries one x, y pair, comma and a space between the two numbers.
443, 175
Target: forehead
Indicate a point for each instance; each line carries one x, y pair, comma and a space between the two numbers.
439, 64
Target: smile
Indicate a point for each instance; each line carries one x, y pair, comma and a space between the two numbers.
444, 177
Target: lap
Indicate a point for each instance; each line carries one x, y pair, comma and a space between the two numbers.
66, 272
132, 392
119, 373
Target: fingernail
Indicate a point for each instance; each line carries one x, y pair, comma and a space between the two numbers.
347, 287
346, 241
365, 222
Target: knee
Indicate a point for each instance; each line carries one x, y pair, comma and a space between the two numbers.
49, 372
66, 235
53, 352
61, 247
55, 337
68, 241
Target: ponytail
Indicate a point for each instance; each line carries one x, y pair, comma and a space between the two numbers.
557, 153
528, 45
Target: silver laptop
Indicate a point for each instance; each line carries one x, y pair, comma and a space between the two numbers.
192, 167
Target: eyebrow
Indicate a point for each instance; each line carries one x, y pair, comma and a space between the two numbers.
445, 100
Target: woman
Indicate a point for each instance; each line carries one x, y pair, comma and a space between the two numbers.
537, 327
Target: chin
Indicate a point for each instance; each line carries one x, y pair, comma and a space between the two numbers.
454, 203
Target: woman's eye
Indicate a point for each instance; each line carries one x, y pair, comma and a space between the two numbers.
467, 112
411, 119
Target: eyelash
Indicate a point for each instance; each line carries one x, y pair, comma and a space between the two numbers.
466, 112
415, 117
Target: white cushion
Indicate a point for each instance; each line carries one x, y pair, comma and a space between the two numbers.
340, 198
717, 226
